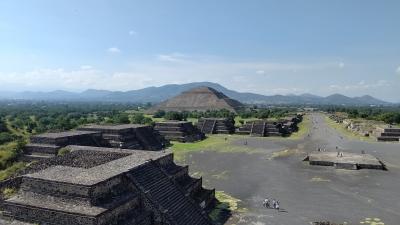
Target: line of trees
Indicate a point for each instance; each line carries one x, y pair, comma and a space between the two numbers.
390, 115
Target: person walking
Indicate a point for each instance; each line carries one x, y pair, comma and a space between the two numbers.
266, 203
277, 205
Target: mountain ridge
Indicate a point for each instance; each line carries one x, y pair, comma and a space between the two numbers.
158, 94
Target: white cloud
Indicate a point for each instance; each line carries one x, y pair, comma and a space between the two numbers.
174, 57
362, 85
260, 72
398, 70
262, 77
132, 32
341, 65
114, 50
86, 67
81, 79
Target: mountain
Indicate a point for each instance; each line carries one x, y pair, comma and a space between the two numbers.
162, 93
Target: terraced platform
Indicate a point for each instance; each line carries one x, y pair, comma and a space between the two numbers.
345, 160
136, 187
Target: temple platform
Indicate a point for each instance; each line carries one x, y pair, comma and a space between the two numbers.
345, 160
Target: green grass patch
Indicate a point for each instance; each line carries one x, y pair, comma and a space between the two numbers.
304, 129
4, 174
9, 192
345, 132
218, 143
225, 206
8, 153
238, 119
63, 151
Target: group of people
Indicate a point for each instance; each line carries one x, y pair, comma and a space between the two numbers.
274, 204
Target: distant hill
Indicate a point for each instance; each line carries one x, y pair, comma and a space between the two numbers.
159, 94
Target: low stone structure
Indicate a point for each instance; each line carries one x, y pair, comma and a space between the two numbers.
47, 145
337, 118
345, 160
265, 128
128, 136
182, 131
216, 125
261, 128
388, 134
136, 187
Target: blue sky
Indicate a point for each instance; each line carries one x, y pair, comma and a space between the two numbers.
268, 47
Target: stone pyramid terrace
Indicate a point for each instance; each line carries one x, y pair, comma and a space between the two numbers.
216, 125
182, 131
128, 136
137, 187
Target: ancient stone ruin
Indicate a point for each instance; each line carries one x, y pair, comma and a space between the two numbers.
120, 187
128, 136
266, 128
199, 99
182, 131
47, 145
216, 125
388, 134
345, 160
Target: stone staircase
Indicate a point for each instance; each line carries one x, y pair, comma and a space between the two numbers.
208, 126
148, 139
258, 129
162, 190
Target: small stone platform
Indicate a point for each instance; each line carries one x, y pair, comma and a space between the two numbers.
47, 145
128, 136
345, 160
216, 125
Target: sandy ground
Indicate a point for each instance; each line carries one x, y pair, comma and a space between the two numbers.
307, 193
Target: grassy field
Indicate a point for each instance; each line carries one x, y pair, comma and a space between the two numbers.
304, 129
217, 143
347, 133
226, 205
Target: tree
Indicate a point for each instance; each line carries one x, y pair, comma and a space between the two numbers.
159, 114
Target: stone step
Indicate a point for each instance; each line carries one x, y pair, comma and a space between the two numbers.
390, 134
387, 138
50, 210
41, 148
35, 157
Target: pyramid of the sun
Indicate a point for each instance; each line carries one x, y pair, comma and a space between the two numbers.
199, 99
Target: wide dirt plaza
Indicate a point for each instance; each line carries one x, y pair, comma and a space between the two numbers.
250, 169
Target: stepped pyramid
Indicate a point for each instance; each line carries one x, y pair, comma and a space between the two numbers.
106, 186
200, 99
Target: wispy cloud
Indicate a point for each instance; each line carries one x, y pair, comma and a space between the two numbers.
362, 85
114, 50
398, 70
264, 77
260, 72
341, 65
173, 57
132, 32
86, 67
